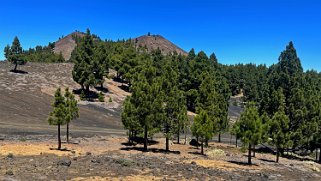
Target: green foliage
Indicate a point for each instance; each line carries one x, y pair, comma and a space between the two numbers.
250, 126
59, 114
202, 128
82, 95
14, 53
43, 54
279, 131
91, 62
65, 109
101, 97
71, 105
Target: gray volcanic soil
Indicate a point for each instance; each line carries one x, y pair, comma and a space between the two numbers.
24, 106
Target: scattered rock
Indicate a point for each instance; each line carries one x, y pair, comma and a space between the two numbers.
88, 153
76, 142
316, 169
95, 161
193, 163
64, 163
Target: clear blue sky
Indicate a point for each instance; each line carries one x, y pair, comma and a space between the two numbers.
235, 30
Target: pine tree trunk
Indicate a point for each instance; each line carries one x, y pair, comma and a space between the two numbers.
202, 147
277, 155
130, 133
145, 138
131, 137
178, 137
219, 137
15, 67
68, 132
87, 89
167, 143
59, 139
185, 137
320, 156
250, 156
197, 142
253, 150
102, 85
316, 154
236, 142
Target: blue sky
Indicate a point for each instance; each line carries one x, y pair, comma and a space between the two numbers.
236, 31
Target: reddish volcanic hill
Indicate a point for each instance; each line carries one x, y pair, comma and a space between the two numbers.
152, 42
67, 44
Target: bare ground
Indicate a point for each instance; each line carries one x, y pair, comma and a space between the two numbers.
25, 102
111, 158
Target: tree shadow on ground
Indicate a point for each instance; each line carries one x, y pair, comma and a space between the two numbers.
266, 160
89, 96
196, 153
119, 80
19, 71
62, 149
242, 163
154, 150
139, 140
102, 89
294, 157
264, 149
124, 88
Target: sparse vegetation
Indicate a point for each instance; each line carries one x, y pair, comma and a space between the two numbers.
65, 109
101, 97
10, 155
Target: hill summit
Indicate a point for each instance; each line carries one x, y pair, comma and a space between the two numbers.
152, 42
67, 44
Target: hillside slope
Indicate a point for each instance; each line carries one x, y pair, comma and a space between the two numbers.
67, 44
152, 42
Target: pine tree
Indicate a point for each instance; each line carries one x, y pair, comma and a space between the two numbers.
72, 109
88, 69
14, 54
250, 128
202, 128
130, 120
7, 51
146, 98
58, 116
